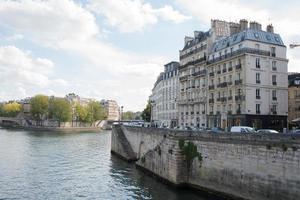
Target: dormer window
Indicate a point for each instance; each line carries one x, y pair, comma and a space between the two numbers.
268, 37
256, 35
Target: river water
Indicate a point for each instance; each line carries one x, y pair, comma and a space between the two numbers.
44, 165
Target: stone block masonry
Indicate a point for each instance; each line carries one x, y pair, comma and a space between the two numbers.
246, 166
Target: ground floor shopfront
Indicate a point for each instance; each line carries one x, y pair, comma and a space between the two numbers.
275, 122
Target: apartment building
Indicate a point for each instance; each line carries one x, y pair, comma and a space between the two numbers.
294, 98
247, 81
164, 96
112, 109
192, 102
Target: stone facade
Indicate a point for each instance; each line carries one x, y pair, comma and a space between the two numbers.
247, 166
164, 97
234, 74
112, 109
294, 97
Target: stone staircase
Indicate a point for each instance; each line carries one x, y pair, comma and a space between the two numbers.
129, 154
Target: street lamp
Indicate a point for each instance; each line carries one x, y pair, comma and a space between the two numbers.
121, 114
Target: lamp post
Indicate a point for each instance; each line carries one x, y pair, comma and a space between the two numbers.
121, 113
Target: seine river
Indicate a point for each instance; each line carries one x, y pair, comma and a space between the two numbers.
41, 165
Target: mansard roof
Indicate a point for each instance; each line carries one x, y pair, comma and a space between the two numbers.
248, 34
201, 36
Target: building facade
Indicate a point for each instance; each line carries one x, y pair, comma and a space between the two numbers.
294, 98
164, 97
247, 81
112, 109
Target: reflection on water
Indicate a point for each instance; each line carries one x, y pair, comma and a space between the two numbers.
44, 165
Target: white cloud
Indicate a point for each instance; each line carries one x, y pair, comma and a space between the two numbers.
106, 72
284, 18
134, 15
22, 74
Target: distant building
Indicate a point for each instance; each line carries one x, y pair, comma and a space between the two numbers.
71, 97
164, 96
294, 97
112, 109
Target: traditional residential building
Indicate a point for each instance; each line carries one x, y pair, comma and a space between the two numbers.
294, 97
248, 79
164, 96
192, 102
112, 109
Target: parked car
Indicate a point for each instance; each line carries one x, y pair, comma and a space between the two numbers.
266, 131
242, 129
216, 130
295, 131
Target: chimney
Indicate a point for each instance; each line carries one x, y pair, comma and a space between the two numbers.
196, 33
243, 24
255, 26
270, 28
234, 28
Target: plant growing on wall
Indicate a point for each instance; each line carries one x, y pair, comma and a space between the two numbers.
190, 152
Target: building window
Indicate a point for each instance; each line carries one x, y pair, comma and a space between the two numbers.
273, 51
257, 63
274, 67
257, 108
257, 46
274, 95
257, 93
274, 82
238, 110
274, 109
258, 78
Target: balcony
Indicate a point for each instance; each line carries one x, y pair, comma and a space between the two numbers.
257, 97
274, 98
219, 72
224, 70
211, 74
273, 54
229, 112
274, 112
238, 82
211, 113
258, 66
218, 113
258, 81
230, 69
240, 98
218, 99
258, 112
229, 83
211, 87
193, 62
238, 111
183, 78
239, 52
203, 112
274, 83
211, 100
229, 98
223, 99
200, 73
238, 66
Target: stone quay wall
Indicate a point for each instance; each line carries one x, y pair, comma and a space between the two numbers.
246, 166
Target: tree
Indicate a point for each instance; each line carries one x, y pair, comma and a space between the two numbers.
60, 109
95, 112
146, 114
39, 107
81, 112
129, 115
10, 109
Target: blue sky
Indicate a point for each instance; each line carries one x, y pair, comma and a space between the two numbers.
114, 49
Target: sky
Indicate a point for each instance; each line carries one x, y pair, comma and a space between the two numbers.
115, 49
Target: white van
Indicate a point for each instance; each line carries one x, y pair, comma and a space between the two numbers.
242, 129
